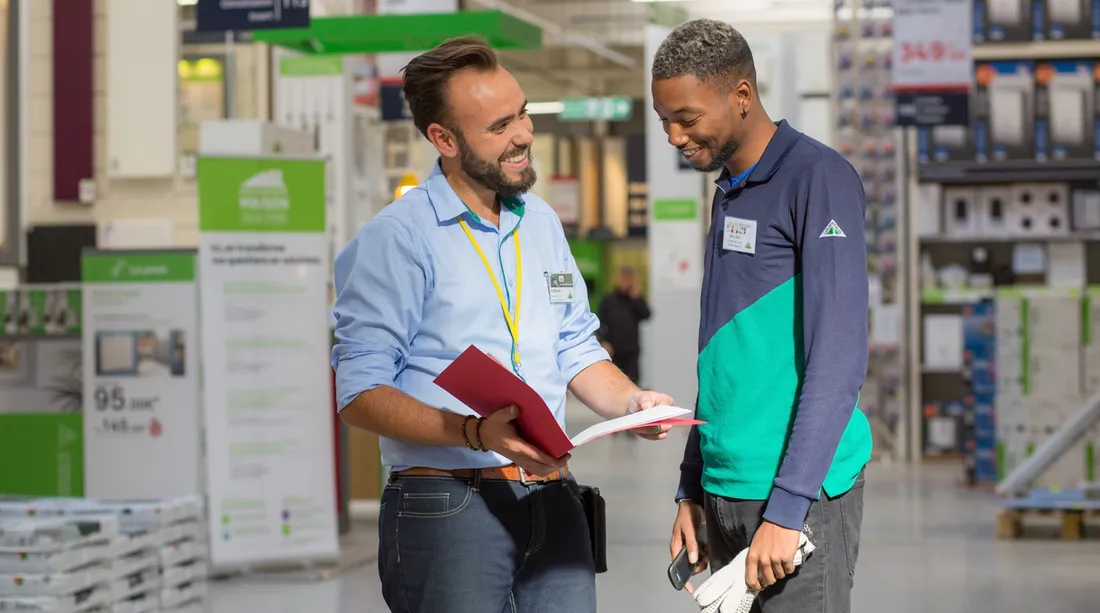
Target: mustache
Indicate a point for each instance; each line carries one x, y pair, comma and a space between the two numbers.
515, 152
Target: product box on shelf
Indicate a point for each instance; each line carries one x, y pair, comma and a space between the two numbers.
993, 206
944, 431
961, 215
1071, 19
1008, 21
1085, 207
1090, 341
1065, 110
1004, 102
946, 143
1039, 210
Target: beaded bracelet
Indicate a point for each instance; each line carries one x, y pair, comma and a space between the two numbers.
465, 432
477, 434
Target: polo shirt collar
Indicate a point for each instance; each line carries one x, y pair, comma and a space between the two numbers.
782, 141
448, 206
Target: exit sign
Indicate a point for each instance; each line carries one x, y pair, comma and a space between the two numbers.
613, 108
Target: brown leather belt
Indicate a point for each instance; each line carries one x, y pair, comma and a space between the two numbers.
502, 473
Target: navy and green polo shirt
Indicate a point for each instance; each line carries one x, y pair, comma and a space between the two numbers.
782, 333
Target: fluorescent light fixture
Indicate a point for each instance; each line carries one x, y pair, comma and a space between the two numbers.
187, 2
545, 108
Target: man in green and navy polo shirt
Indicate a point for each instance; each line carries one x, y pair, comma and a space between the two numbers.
782, 336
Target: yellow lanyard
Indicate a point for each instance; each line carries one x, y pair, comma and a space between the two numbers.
513, 320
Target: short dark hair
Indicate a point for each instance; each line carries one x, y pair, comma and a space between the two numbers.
426, 76
707, 49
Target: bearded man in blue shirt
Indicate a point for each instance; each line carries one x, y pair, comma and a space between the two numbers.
474, 519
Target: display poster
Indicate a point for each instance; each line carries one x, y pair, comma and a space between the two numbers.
267, 392
932, 65
142, 418
674, 230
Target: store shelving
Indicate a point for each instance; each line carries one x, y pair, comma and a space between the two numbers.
1008, 171
866, 136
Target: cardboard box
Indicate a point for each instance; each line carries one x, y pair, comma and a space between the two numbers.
1070, 20
1065, 110
1007, 21
1004, 109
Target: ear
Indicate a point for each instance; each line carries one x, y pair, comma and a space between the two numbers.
745, 97
443, 140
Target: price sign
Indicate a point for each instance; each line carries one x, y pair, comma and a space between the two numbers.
932, 65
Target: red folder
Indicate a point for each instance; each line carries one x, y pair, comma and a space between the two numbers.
484, 385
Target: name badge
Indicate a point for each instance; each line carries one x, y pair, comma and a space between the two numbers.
739, 235
561, 287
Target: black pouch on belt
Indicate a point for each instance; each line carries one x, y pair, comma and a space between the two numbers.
595, 510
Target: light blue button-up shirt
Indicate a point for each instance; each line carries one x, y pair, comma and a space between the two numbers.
412, 294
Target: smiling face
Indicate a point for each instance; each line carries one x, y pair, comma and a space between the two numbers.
701, 120
491, 133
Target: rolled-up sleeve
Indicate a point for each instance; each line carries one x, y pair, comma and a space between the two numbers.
380, 282
578, 345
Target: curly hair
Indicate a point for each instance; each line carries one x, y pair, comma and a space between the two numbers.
709, 50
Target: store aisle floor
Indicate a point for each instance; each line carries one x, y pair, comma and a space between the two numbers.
927, 546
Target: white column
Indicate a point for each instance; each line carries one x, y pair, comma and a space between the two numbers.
678, 209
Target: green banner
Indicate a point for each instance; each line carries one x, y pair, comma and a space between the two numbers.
311, 65
139, 267
681, 209
261, 195
42, 454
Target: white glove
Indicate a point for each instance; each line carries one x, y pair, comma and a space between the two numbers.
725, 591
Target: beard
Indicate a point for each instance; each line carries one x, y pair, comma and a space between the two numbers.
718, 160
490, 175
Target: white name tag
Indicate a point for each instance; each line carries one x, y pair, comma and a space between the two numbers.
560, 285
739, 235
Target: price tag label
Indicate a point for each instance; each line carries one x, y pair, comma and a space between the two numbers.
932, 44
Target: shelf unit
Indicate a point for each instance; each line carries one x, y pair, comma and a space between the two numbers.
866, 136
929, 185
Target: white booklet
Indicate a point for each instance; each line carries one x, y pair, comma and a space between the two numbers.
634, 420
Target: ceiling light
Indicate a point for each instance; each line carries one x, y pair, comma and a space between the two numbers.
187, 2
545, 108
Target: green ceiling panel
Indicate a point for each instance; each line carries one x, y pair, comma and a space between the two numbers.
403, 33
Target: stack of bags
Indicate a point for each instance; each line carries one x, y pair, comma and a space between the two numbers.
57, 564
157, 558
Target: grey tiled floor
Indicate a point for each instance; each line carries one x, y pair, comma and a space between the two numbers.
928, 547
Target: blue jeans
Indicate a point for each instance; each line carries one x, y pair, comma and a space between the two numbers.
449, 545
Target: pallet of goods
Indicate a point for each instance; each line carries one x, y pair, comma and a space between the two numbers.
56, 564
155, 560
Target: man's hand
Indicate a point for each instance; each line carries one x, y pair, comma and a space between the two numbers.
642, 400
689, 519
771, 556
499, 435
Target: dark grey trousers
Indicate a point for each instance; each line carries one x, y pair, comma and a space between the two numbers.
823, 584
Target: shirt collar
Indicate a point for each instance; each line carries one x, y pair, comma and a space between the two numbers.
781, 142
449, 206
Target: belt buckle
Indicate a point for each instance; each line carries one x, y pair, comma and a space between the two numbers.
523, 476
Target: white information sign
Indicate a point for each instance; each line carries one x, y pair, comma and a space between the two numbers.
142, 433
263, 257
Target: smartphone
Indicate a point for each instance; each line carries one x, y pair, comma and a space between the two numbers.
680, 571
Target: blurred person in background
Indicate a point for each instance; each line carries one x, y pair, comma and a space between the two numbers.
474, 519
782, 336
621, 313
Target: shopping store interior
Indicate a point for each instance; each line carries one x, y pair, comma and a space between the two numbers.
178, 176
